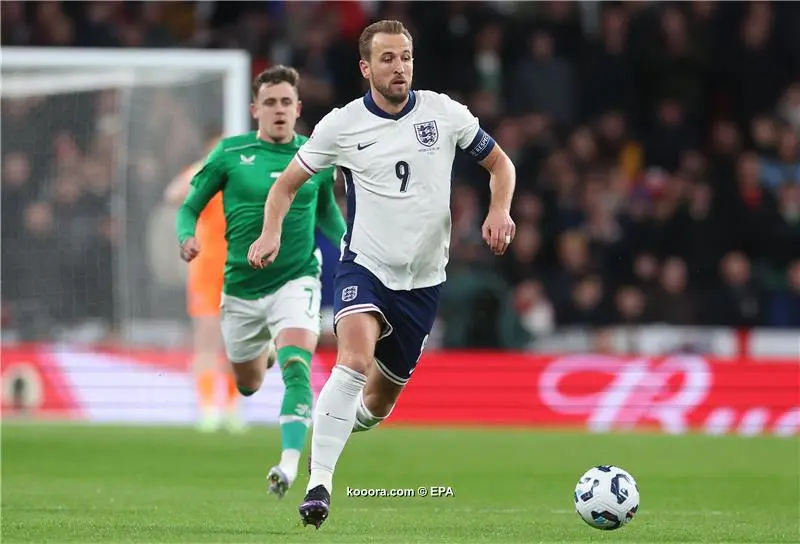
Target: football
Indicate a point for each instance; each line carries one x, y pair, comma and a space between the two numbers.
606, 497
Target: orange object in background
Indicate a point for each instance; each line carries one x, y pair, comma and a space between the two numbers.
206, 271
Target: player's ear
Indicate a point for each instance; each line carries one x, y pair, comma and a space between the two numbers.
364, 67
253, 112
299, 107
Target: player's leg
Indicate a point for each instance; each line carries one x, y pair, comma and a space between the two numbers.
248, 344
213, 283
203, 300
396, 357
359, 324
336, 408
294, 319
207, 344
233, 419
295, 349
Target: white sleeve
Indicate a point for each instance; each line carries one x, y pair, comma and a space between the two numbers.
322, 149
470, 137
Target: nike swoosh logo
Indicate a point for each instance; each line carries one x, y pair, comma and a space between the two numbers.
364, 146
334, 417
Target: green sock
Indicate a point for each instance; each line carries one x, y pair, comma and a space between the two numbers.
295, 416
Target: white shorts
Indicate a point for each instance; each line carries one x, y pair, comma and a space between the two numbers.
249, 325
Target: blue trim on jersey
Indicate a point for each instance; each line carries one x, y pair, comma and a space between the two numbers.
480, 146
350, 190
370, 104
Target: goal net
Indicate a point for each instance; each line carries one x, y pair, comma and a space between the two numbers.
90, 139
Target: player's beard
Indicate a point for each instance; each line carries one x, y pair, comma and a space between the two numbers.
393, 97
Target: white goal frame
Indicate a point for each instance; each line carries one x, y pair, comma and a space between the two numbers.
74, 70
113, 62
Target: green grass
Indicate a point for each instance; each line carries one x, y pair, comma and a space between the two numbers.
71, 483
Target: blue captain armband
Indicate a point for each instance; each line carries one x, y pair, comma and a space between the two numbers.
480, 146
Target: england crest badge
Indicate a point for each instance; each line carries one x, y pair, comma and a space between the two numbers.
349, 293
427, 133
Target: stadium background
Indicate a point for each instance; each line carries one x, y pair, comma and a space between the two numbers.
653, 289
658, 203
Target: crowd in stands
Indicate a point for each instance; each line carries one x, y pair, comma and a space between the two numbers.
657, 148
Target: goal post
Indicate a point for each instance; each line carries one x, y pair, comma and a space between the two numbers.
91, 138
102, 67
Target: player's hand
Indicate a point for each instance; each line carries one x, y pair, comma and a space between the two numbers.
190, 248
498, 230
264, 250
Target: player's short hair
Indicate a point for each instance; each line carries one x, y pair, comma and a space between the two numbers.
386, 26
274, 75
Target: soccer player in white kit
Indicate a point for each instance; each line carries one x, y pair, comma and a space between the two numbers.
395, 148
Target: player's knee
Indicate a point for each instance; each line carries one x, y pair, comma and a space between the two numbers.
357, 336
356, 361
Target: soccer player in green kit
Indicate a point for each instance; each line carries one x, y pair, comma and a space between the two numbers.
281, 303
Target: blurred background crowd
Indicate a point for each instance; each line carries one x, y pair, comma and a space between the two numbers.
657, 148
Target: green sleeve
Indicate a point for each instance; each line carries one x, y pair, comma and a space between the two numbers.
205, 184
329, 216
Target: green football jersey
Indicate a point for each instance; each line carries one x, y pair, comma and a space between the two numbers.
244, 168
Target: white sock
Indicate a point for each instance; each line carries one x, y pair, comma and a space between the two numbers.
333, 423
365, 420
289, 461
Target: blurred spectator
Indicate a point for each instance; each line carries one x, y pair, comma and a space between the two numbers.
785, 307
630, 306
785, 165
544, 81
606, 78
574, 263
739, 300
534, 310
670, 136
789, 106
784, 242
705, 236
587, 305
673, 303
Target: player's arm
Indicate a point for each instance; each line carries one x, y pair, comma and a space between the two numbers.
498, 229
502, 179
281, 196
317, 154
202, 188
329, 216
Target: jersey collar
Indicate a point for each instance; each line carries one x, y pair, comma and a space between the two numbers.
293, 144
370, 104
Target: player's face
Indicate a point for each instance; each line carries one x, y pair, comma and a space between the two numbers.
276, 108
391, 66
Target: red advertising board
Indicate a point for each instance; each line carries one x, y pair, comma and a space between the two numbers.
31, 379
673, 394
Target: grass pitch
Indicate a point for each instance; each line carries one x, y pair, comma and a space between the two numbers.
72, 483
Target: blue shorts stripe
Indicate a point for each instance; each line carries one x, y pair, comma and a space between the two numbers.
350, 191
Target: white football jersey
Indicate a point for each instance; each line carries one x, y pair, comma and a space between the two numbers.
397, 169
